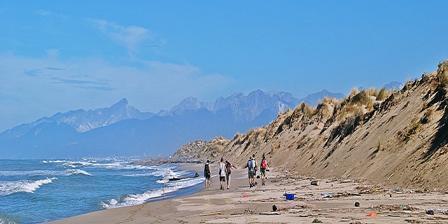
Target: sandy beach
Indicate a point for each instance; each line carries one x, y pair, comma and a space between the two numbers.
331, 201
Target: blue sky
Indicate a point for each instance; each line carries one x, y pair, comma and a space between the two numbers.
62, 55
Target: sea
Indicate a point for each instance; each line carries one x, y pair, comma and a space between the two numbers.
38, 191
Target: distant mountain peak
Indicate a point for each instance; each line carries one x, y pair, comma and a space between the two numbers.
314, 98
394, 85
188, 104
121, 103
86, 120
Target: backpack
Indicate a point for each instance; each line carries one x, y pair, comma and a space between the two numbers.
264, 164
251, 165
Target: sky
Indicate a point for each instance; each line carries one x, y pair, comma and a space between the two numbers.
62, 55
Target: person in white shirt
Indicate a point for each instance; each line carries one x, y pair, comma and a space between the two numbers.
222, 173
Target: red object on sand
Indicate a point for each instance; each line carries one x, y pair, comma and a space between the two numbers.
372, 214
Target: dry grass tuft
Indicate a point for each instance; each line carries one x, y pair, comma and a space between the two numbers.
442, 73
383, 94
362, 98
426, 118
306, 110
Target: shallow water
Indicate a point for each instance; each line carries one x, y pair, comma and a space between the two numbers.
35, 191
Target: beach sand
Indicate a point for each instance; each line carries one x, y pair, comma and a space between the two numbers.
332, 201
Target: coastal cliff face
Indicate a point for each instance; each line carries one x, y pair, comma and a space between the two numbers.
398, 138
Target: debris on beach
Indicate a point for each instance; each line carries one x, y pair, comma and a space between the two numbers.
327, 195
372, 214
394, 208
269, 213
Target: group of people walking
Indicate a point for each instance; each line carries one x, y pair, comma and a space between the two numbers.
225, 171
252, 169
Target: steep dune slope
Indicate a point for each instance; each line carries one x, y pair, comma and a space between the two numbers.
397, 138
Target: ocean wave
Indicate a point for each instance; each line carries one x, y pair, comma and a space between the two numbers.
70, 172
67, 172
163, 181
117, 165
136, 199
28, 186
166, 172
54, 161
76, 164
28, 173
138, 175
121, 166
4, 219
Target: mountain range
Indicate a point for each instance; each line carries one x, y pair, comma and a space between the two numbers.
123, 130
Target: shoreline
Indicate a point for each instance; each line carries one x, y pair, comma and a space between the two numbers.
330, 201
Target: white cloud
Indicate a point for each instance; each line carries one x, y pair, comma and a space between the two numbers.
130, 37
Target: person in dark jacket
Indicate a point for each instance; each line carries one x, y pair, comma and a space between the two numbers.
207, 174
229, 168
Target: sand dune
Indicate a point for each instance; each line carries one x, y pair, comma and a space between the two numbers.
396, 138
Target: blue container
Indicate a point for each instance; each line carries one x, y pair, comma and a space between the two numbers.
290, 197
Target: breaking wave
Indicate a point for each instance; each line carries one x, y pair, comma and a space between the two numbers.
77, 172
136, 199
67, 172
27, 186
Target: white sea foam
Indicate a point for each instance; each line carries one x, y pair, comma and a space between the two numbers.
115, 165
166, 172
163, 181
136, 199
76, 164
54, 161
11, 187
28, 173
7, 220
138, 175
67, 172
77, 172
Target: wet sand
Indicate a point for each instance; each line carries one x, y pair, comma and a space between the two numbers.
332, 201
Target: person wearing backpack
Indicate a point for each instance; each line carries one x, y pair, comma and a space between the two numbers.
251, 171
207, 174
263, 168
255, 168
